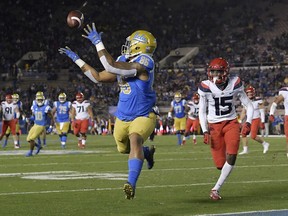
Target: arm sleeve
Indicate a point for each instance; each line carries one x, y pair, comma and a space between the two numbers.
273, 108
202, 114
262, 115
249, 106
90, 76
118, 71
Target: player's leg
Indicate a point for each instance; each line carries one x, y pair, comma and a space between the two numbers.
64, 132
189, 123
5, 125
177, 123
232, 140
12, 126
254, 131
286, 133
76, 131
7, 134
139, 130
195, 130
83, 131
182, 128
34, 132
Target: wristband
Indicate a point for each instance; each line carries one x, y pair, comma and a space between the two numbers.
80, 63
100, 46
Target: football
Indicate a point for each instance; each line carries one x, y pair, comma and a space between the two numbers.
75, 19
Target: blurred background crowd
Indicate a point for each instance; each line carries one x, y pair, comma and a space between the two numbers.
251, 35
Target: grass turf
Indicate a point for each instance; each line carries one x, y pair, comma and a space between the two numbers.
89, 182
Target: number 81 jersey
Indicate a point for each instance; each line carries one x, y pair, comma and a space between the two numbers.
221, 103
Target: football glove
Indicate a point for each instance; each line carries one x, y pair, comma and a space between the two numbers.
92, 34
271, 118
206, 138
246, 129
67, 51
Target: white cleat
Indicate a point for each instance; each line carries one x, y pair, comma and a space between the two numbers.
243, 152
265, 147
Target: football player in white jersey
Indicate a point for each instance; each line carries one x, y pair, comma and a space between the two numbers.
16, 100
220, 126
257, 122
282, 97
10, 116
192, 122
81, 112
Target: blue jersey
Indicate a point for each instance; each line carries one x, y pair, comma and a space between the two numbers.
62, 111
137, 97
179, 108
40, 114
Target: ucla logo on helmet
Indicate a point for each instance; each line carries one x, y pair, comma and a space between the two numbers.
140, 37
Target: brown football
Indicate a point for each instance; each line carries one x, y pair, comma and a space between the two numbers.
75, 19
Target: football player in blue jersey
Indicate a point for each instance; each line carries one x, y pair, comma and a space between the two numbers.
43, 134
40, 112
62, 109
178, 107
134, 72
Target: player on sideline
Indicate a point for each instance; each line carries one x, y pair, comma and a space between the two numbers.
81, 111
62, 109
192, 122
220, 126
257, 122
134, 71
282, 97
177, 107
40, 112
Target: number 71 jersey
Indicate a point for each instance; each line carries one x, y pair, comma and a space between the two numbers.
221, 103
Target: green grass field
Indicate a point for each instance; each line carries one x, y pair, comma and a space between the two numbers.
89, 182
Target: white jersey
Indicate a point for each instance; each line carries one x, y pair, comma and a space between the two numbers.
193, 112
81, 109
256, 103
221, 103
8, 110
284, 92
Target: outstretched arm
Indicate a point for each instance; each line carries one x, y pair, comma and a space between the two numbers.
88, 70
126, 69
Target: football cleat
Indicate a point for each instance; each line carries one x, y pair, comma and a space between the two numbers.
149, 155
243, 152
265, 147
39, 147
214, 195
129, 191
17, 146
183, 142
194, 141
29, 154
